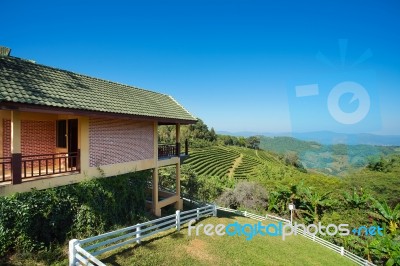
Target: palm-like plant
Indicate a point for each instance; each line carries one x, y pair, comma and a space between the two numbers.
315, 202
356, 199
387, 214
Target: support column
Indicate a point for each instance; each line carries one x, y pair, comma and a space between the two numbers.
178, 137
16, 156
155, 140
83, 143
156, 209
179, 203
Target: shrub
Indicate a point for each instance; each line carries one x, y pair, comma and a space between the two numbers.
35, 220
248, 195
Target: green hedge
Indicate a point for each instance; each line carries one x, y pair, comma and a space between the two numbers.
35, 220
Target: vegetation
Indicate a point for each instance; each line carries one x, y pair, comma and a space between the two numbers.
173, 248
338, 159
366, 193
39, 221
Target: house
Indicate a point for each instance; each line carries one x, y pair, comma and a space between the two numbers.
58, 127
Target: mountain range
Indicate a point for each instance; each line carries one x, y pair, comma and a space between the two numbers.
328, 137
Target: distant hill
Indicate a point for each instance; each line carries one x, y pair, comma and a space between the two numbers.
328, 138
335, 159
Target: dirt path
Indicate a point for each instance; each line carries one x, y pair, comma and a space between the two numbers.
237, 162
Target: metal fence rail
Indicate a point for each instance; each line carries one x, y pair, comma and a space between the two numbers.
84, 252
358, 260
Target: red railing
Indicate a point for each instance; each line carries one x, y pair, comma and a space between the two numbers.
49, 164
166, 150
172, 150
5, 166
39, 165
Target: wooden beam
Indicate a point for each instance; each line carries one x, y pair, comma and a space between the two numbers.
168, 201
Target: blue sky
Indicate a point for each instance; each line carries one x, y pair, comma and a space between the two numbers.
235, 64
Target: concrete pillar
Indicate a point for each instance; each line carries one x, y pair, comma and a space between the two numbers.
83, 143
155, 140
156, 209
179, 203
16, 156
15, 132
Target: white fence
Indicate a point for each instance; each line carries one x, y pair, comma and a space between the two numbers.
323, 242
84, 252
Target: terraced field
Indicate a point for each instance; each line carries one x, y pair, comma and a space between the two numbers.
239, 163
214, 161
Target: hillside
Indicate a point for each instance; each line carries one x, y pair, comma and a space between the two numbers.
233, 162
336, 159
178, 248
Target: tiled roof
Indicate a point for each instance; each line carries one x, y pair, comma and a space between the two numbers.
25, 82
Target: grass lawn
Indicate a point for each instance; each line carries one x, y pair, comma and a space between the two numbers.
173, 248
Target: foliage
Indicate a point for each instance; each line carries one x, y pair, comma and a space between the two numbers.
386, 214
35, 220
247, 195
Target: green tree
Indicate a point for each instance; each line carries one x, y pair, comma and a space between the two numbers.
253, 142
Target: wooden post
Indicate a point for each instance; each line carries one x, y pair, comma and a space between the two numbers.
16, 156
156, 209
178, 136
78, 160
186, 147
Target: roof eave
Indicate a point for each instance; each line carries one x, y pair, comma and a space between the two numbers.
25, 107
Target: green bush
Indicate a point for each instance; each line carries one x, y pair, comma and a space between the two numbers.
34, 220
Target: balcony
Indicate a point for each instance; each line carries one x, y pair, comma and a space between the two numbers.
28, 167
166, 151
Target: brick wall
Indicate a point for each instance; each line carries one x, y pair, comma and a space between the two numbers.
118, 140
37, 137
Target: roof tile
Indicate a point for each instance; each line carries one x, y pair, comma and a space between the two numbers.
22, 81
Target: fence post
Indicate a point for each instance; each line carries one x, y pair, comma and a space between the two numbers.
342, 251
215, 210
139, 241
72, 251
313, 238
178, 220
245, 213
198, 214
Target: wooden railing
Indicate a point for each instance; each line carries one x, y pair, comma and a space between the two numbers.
165, 150
171, 150
49, 164
5, 165
28, 166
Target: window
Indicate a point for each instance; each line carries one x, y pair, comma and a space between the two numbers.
61, 133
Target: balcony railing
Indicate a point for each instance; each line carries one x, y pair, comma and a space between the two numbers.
5, 166
172, 150
30, 166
